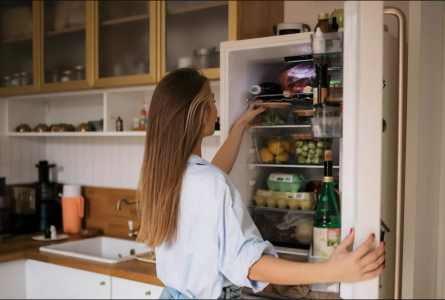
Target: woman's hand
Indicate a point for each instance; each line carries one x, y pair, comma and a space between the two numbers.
245, 121
359, 265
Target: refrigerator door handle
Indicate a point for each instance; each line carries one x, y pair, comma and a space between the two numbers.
400, 149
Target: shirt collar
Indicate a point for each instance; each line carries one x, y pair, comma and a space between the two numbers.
195, 159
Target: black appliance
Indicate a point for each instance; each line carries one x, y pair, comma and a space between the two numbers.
5, 208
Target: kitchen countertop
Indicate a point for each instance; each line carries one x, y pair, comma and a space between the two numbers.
23, 247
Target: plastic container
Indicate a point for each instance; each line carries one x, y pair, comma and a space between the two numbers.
310, 151
303, 117
274, 149
284, 228
327, 121
286, 182
286, 200
275, 114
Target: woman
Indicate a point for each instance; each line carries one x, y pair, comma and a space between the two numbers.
194, 216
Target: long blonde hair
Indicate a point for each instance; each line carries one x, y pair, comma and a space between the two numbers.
175, 121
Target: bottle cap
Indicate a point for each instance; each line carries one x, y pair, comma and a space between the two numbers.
323, 16
256, 89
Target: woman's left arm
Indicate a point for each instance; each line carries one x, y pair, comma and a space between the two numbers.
226, 156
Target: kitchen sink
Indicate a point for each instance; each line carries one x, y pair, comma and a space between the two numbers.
101, 249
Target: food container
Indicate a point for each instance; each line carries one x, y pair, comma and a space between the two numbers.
67, 76
276, 113
201, 58
310, 151
286, 182
284, 228
285, 200
303, 117
275, 149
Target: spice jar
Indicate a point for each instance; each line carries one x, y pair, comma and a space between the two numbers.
67, 76
6, 81
201, 59
79, 72
15, 81
323, 23
24, 78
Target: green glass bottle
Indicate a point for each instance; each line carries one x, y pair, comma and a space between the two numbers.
327, 223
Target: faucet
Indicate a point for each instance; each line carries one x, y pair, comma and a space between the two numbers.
133, 233
118, 207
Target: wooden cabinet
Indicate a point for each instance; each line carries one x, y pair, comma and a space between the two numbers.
13, 280
128, 289
48, 281
66, 42
68, 45
18, 47
125, 42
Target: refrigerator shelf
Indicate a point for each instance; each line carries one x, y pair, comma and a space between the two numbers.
280, 126
294, 97
290, 166
286, 210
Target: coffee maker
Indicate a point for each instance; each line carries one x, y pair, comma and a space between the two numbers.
48, 207
5, 209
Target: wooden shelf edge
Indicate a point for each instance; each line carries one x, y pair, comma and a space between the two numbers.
197, 7
66, 30
14, 40
126, 20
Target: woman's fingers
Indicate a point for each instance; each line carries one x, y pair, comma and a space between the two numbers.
373, 274
375, 264
252, 105
373, 256
364, 248
347, 242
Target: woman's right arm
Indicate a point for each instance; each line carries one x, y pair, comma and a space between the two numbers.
343, 266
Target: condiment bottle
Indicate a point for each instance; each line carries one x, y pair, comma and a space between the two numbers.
119, 124
323, 23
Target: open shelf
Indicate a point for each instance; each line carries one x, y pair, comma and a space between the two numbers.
197, 7
290, 166
125, 20
281, 126
14, 40
83, 134
66, 30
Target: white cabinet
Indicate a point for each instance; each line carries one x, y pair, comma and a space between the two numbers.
13, 280
48, 281
127, 289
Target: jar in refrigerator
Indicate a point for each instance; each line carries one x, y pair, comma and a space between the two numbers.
303, 117
201, 59
323, 24
276, 113
327, 110
66, 76
274, 149
310, 151
336, 93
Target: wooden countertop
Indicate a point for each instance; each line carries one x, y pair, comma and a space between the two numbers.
23, 247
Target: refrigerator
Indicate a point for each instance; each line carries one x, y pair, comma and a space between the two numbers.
368, 160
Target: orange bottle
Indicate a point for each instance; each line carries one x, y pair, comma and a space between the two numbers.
73, 205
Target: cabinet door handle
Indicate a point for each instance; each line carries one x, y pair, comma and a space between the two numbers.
148, 293
102, 283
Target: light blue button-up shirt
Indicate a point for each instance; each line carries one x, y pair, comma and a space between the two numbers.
217, 241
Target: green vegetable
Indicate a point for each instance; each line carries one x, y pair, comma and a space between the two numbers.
310, 155
304, 143
299, 144
304, 154
316, 160
320, 144
301, 160
311, 152
308, 160
265, 118
278, 121
311, 145
299, 150
319, 151
305, 148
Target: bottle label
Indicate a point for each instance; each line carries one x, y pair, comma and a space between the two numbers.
326, 241
281, 177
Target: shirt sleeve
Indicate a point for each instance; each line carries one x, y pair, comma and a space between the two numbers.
239, 241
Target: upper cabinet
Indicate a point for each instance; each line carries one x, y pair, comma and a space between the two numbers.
125, 42
17, 47
191, 32
66, 45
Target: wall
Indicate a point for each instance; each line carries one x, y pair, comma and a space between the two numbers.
423, 149
306, 12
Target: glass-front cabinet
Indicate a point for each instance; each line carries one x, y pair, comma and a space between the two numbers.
66, 45
125, 42
17, 47
191, 32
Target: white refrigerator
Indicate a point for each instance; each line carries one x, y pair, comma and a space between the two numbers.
368, 158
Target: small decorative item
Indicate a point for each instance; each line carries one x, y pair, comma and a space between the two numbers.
41, 128
23, 128
119, 124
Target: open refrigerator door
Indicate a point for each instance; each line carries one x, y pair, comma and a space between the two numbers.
364, 159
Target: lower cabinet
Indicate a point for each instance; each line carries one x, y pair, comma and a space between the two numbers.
127, 289
48, 281
12, 280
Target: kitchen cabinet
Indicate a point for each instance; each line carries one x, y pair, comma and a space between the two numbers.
125, 42
66, 41
18, 47
12, 280
190, 31
48, 281
128, 289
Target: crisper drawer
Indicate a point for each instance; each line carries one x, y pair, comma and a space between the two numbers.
285, 227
